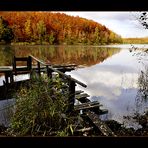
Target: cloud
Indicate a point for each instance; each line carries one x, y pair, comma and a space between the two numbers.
107, 80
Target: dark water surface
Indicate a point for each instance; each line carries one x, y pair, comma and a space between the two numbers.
110, 72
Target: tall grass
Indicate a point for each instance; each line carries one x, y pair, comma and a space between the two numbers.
40, 109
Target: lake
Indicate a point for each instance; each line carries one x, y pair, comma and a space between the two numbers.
110, 72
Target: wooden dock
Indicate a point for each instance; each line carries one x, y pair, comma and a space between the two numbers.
91, 110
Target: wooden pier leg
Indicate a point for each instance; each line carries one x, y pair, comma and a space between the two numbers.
39, 71
29, 63
11, 77
71, 100
6, 77
5, 90
49, 72
9, 74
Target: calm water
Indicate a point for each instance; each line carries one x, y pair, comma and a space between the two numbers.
110, 72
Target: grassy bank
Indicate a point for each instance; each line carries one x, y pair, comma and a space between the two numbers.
135, 40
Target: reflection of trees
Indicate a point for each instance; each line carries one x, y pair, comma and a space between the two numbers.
140, 114
6, 55
80, 55
142, 95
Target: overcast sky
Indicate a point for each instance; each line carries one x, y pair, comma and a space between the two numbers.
122, 23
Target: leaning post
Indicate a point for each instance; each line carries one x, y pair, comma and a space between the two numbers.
49, 72
39, 71
71, 99
29, 63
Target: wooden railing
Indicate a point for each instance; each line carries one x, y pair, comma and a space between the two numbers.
72, 81
91, 110
41, 67
24, 69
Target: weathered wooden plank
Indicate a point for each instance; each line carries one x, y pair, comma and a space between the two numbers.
34, 58
20, 58
84, 95
9, 68
22, 69
83, 100
22, 72
64, 66
44, 69
77, 92
65, 69
88, 105
99, 124
5, 67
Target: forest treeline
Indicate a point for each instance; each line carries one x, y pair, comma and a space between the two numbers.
135, 40
53, 28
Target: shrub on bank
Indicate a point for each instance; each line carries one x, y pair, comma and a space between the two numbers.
40, 109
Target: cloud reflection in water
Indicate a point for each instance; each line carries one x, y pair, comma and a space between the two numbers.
114, 84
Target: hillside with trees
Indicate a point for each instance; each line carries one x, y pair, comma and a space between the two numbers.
56, 28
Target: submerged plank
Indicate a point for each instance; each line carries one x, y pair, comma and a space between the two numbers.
66, 65
77, 92
84, 95
94, 118
87, 107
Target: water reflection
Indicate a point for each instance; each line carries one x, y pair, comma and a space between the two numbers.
80, 55
6, 53
6, 111
142, 94
111, 85
111, 74
114, 83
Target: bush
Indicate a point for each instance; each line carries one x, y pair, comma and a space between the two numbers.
40, 109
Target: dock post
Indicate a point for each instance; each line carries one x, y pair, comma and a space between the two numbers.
71, 100
6, 78
39, 71
14, 65
49, 72
29, 63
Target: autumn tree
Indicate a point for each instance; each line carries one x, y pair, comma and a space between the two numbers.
28, 30
41, 30
51, 38
57, 28
96, 36
6, 33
